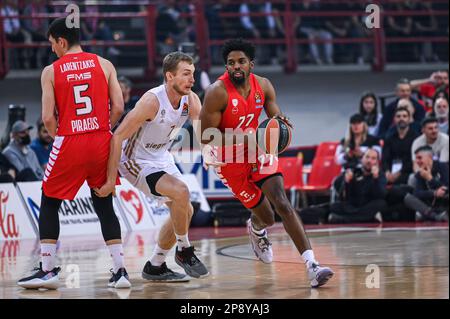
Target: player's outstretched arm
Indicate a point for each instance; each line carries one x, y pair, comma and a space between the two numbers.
114, 91
415, 84
209, 118
271, 106
48, 101
211, 113
146, 109
208, 152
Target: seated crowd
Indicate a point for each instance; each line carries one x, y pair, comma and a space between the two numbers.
396, 165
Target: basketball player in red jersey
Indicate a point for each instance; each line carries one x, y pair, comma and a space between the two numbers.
81, 101
235, 101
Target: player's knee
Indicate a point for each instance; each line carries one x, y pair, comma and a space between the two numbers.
181, 193
282, 206
190, 211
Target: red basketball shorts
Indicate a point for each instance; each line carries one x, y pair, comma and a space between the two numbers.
75, 159
244, 179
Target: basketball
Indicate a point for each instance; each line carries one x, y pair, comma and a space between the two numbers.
273, 136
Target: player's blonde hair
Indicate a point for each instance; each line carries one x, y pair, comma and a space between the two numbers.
171, 61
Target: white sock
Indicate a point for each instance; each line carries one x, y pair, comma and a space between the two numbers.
259, 233
308, 257
48, 256
182, 241
159, 256
116, 252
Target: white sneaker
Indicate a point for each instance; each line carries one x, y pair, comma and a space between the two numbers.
260, 244
319, 276
41, 279
119, 280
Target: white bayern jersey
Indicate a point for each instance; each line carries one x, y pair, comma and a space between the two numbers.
151, 142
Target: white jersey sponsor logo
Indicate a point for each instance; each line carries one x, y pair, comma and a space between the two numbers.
153, 140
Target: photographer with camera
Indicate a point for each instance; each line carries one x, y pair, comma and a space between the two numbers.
364, 195
430, 183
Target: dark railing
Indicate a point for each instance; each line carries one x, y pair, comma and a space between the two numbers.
204, 43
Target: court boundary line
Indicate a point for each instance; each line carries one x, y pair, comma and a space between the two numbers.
348, 230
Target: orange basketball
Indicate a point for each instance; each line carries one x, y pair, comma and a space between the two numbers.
273, 136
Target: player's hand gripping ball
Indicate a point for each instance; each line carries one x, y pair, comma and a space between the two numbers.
273, 136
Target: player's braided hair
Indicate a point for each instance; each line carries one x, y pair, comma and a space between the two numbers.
238, 45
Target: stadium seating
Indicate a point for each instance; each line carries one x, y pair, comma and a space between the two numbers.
291, 168
326, 149
324, 170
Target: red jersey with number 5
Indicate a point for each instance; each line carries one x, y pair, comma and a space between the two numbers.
240, 112
81, 93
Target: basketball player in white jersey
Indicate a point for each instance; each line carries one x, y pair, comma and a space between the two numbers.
140, 151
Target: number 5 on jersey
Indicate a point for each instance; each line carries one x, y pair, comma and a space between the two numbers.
79, 99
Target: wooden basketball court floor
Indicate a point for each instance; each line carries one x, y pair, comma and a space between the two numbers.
369, 261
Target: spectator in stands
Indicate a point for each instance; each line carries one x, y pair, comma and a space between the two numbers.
129, 100
232, 26
339, 27
425, 25
363, 52
20, 154
365, 190
15, 33
440, 93
171, 29
443, 27
216, 29
356, 143
413, 124
42, 144
368, 108
264, 27
440, 111
427, 88
7, 171
202, 81
95, 28
38, 30
432, 137
430, 183
400, 26
201, 77
403, 91
314, 28
396, 159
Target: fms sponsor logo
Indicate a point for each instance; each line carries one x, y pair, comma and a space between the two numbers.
8, 226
